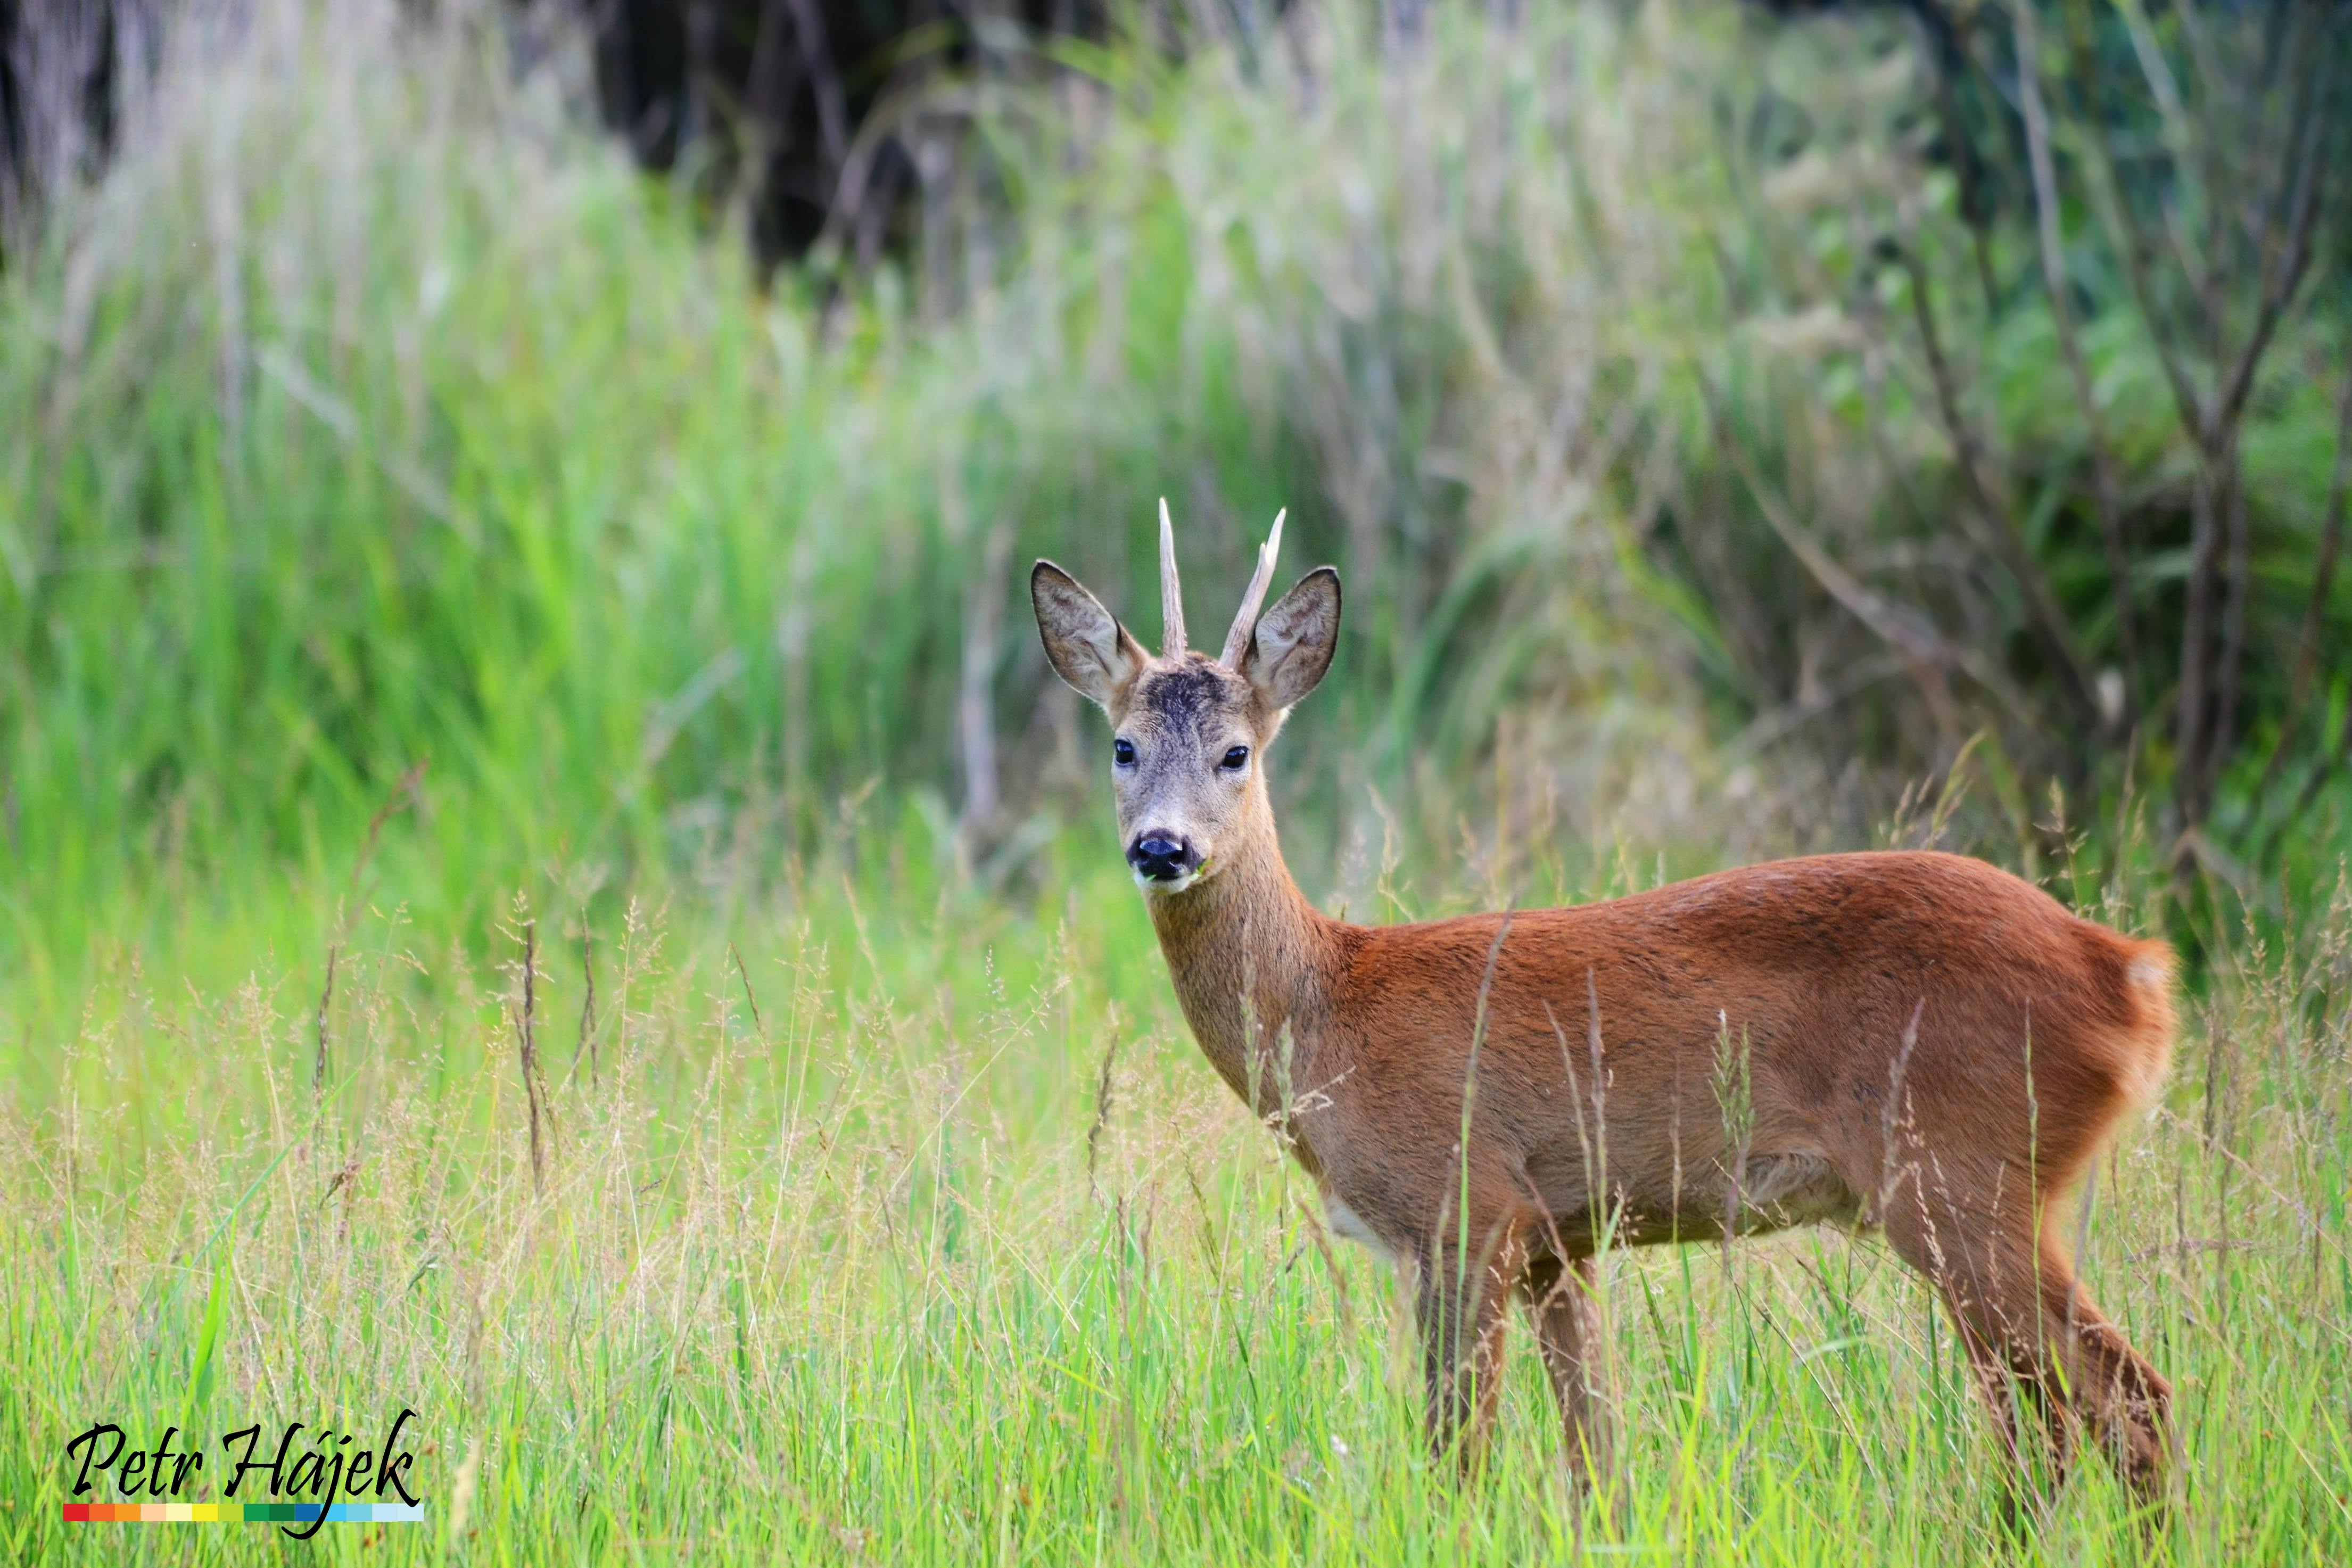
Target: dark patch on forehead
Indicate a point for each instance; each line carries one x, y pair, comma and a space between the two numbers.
1193, 690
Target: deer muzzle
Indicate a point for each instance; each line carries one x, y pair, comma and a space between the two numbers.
1162, 858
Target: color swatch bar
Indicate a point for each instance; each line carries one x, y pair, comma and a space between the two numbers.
243, 1512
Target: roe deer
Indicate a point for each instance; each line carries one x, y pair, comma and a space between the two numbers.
1926, 1044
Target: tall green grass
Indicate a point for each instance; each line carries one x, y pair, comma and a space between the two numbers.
373, 412
908, 1228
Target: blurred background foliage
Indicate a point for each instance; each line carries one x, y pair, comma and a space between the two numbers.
607, 445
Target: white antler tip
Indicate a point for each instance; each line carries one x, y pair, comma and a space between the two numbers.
1237, 640
1172, 594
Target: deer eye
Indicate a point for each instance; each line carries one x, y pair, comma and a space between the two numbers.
1122, 752
1235, 756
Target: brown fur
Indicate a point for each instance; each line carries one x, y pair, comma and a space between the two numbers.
1927, 1044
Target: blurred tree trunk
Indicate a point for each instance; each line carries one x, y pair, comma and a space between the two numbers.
769, 96
63, 69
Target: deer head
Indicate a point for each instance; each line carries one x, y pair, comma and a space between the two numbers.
1187, 729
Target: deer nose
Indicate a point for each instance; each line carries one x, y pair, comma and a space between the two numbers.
1162, 858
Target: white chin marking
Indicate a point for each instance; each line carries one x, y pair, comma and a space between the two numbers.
1167, 889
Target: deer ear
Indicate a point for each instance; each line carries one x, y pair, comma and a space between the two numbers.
1084, 642
1295, 640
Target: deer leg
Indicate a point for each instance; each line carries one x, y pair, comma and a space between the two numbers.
1986, 1277
2125, 1403
1460, 1305
2013, 1376
1563, 1303
2034, 1338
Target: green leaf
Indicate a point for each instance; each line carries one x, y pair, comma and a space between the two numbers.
200, 1374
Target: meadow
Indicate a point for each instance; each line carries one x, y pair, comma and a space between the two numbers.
887, 1223
543, 879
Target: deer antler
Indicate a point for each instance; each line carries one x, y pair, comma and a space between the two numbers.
1171, 592
1237, 640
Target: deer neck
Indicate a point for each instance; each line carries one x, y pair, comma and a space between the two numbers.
1246, 932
